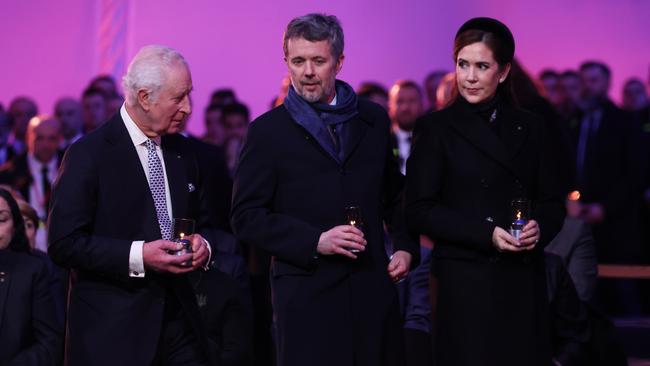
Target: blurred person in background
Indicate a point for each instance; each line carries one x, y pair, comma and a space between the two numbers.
572, 87
214, 133
107, 84
373, 92
284, 89
447, 91
608, 176
235, 118
404, 107
6, 149
69, 112
34, 173
549, 81
21, 110
635, 95
431, 83
223, 96
95, 110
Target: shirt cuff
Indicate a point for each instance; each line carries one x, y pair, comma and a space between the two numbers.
136, 262
207, 263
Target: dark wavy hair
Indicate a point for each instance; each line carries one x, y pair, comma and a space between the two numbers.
19, 241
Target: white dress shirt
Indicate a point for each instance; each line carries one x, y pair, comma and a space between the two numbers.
136, 262
37, 194
403, 145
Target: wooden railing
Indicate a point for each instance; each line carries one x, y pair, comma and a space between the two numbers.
625, 271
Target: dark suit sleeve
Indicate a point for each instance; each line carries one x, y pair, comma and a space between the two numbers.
47, 334
425, 212
71, 220
253, 219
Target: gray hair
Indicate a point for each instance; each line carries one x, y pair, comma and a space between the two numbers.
316, 27
147, 71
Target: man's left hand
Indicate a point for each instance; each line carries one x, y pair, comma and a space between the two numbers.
200, 252
398, 267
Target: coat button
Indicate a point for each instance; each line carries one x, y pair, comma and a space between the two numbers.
489, 219
484, 182
494, 259
342, 171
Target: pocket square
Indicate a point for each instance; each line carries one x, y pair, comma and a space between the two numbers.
190, 187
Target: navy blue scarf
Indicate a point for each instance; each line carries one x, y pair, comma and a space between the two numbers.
317, 117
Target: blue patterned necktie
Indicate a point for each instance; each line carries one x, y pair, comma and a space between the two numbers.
157, 187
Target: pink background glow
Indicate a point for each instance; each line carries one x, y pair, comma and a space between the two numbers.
50, 48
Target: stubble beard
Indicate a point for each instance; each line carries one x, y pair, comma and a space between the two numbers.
311, 97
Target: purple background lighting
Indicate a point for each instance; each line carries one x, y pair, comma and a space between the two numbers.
53, 48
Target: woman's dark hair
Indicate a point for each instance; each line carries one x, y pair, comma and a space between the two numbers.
500, 51
19, 242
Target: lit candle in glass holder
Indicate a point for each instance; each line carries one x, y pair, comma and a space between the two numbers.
353, 217
521, 213
183, 228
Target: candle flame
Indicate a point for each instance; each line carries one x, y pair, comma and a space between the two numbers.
353, 222
518, 215
574, 196
182, 235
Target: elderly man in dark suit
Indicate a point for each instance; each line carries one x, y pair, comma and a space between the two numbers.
303, 163
111, 223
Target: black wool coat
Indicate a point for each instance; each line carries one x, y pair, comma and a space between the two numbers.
461, 179
329, 310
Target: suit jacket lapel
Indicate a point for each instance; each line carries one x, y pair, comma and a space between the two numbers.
177, 181
477, 132
124, 156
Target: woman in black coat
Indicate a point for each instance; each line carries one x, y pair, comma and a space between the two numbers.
30, 333
468, 163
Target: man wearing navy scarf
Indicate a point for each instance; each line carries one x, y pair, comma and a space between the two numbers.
303, 163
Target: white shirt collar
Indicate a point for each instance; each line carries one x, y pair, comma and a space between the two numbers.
137, 136
36, 164
333, 102
401, 134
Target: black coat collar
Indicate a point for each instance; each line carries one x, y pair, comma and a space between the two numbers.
503, 149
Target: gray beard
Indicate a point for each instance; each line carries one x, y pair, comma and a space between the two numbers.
311, 97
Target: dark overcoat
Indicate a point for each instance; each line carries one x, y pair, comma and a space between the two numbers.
329, 310
461, 179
